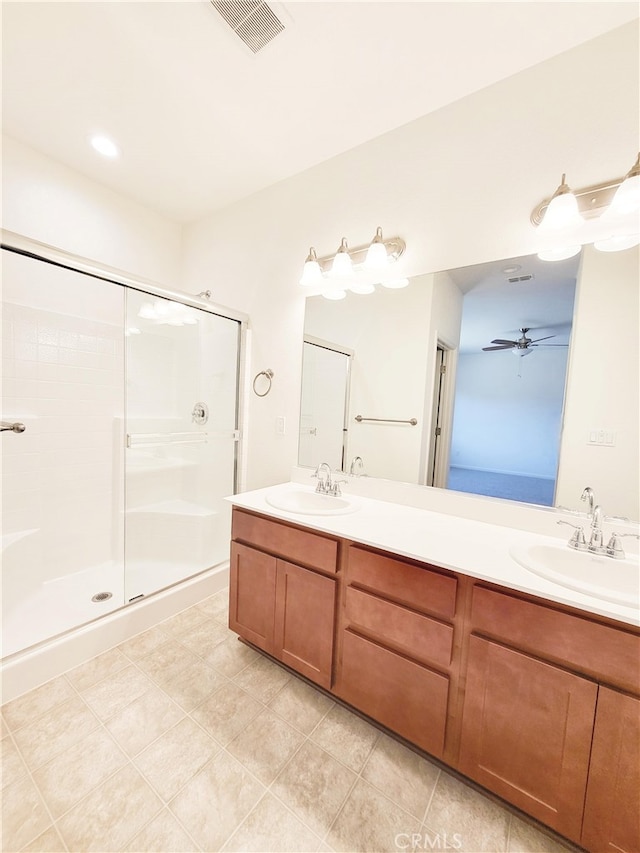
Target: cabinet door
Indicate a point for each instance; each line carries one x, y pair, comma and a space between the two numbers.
612, 810
526, 733
305, 608
395, 690
252, 595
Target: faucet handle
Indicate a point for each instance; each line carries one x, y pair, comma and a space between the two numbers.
335, 488
577, 539
614, 548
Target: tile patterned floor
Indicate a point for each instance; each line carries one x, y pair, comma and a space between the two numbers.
184, 739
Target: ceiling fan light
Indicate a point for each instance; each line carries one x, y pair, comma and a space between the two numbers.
521, 351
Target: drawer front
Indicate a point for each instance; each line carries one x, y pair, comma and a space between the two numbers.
299, 546
397, 692
415, 586
604, 652
418, 636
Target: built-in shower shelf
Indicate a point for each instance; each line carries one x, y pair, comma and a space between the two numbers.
175, 507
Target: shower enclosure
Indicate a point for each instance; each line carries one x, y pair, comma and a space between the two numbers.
115, 488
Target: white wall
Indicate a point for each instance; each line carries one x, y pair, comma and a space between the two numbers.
387, 332
458, 185
49, 202
604, 378
505, 422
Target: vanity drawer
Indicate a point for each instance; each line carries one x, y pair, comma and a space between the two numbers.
406, 583
399, 693
416, 635
298, 546
607, 653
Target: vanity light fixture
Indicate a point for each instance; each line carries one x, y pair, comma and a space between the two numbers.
607, 215
342, 266
357, 270
377, 257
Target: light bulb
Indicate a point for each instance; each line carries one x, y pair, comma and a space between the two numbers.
626, 201
562, 211
617, 242
342, 266
311, 274
395, 283
105, 146
377, 257
361, 287
334, 294
558, 253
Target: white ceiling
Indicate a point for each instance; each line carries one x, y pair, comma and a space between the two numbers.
202, 122
494, 307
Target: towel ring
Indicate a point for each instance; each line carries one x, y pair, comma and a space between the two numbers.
269, 374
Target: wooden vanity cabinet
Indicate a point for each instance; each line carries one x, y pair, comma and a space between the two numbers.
396, 645
612, 808
541, 730
282, 607
537, 702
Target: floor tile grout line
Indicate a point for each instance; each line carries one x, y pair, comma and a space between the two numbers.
431, 796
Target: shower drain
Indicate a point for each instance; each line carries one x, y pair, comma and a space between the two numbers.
102, 596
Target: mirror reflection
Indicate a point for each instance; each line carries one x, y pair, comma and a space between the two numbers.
464, 379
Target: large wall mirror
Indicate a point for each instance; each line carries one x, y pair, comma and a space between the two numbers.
516, 379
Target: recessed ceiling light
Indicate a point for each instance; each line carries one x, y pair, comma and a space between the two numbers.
105, 146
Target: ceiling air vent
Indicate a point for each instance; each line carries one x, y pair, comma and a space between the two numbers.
253, 21
517, 278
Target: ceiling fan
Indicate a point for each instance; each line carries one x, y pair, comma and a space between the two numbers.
523, 346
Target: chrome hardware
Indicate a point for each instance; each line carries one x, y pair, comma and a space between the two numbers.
5, 426
334, 489
587, 495
356, 469
614, 548
323, 473
596, 542
412, 421
200, 413
577, 541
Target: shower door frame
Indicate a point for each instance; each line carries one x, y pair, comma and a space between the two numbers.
17, 243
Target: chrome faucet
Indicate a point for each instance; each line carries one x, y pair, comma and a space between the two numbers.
356, 469
327, 486
596, 543
587, 495
323, 473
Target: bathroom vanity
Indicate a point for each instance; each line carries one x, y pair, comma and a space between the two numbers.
530, 695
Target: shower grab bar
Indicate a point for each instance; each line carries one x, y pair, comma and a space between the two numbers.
412, 421
161, 439
5, 426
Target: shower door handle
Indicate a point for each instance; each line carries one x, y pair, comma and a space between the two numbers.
5, 426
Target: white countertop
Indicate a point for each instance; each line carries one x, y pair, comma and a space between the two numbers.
474, 548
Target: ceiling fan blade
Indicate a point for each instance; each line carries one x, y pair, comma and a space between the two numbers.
535, 340
505, 343
490, 349
549, 345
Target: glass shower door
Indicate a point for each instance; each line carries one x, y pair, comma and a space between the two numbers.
181, 425
62, 477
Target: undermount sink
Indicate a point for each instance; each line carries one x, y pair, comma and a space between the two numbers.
602, 577
306, 502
